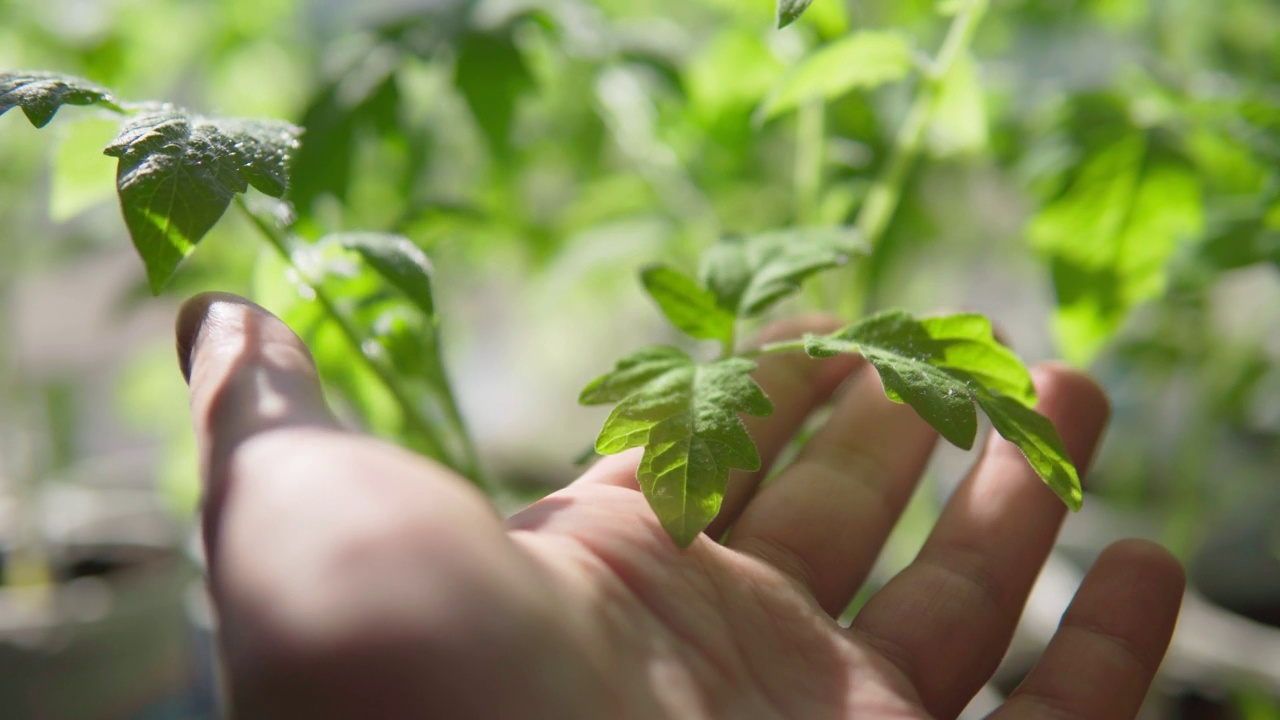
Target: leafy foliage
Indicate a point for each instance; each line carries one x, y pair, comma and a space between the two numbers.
1110, 237
491, 74
685, 415
941, 366
399, 262
177, 174
688, 306
40, 94
861, 60
368, 297
747, 275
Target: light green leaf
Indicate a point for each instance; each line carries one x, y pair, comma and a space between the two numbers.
862, 60
399, 262
732, 72
790, 10
747, 275
40, 94
81, 177
941, 366
688, 306
685, 416
967, 342
959, 124
177, 174
1111, 236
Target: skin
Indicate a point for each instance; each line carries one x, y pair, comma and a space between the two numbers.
354, 579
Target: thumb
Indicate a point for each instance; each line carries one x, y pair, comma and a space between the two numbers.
248, 373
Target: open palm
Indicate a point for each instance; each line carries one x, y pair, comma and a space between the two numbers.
354, 579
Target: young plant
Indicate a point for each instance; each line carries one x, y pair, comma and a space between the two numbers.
684, 412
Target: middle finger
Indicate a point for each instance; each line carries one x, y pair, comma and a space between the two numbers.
947, 619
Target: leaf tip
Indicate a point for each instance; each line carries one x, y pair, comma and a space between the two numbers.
681, 533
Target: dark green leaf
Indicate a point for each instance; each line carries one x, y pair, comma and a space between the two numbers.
790, 10
491, 75
688, 306
333, 121
748, 275
865, 59
941, 366
685, 415
40, 94
399, 262
178, 173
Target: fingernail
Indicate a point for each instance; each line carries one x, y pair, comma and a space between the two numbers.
190, 321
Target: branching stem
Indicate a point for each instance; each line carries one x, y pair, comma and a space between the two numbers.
435, 446
886, 192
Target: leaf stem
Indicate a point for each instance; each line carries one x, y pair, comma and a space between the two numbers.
468, 465
886, 192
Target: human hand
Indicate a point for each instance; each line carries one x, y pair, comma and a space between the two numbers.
356, 580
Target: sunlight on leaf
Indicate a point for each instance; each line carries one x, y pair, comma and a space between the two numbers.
1110, 237
942, 366
685, 416
688, 306
40, 94
177, 174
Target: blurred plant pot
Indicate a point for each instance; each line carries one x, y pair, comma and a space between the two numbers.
109, 636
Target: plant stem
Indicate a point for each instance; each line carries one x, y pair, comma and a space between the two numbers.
886, 192
468, 465
807, 177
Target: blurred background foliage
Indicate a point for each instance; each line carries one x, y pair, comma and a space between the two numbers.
1101, 177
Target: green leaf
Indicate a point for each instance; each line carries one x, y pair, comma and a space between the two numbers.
81, 177
1036, 437
399, 262
40, 94
632, 373
959, 124
1110, 238
731, 73
378, 295
688, 306
941, 366
177, 174
491, 75
336, 118
790, 10
747, 275
862, 60
685, 416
